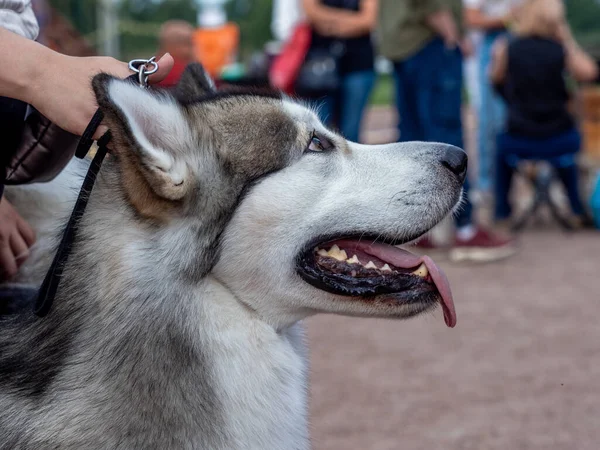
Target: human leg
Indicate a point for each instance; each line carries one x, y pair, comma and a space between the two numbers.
355, 91
409, 126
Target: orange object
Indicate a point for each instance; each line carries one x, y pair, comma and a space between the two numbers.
591, 123
216, 47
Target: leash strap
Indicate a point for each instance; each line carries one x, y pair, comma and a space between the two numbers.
86, 141
49, 287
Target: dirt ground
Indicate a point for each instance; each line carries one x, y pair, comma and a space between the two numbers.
520, 371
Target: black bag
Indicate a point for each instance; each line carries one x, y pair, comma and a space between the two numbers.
320, 73
43, 151
33, 148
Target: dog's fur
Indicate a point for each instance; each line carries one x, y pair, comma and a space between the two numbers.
176, 321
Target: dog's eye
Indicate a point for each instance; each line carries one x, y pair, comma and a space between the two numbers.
318, 143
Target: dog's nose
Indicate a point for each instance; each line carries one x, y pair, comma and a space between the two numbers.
455, 160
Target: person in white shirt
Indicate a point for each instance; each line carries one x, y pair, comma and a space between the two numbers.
471, 69
286, 15
490, 18
17, 16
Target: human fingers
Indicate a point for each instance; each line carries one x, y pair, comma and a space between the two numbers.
19, 248
165, 64
25, 231
8, 263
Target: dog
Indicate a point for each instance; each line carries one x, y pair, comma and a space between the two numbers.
219, 222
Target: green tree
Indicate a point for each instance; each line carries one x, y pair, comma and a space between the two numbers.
584, 17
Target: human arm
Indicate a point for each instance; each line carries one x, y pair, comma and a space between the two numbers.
341, 23
476, 19
580, 65
442, 23
59, 86
499, 64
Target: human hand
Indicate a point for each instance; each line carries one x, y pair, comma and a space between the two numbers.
333, 28
326, 27
564, 33
511, 16
16, 237
62, 91
442, 23
466, 47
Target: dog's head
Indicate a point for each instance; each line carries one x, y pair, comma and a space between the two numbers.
287, 211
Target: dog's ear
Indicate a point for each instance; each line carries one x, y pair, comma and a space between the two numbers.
148, 131
194, 83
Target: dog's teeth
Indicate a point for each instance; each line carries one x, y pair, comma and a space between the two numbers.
370, 265
336, 253
421, 271
386, 268
353, 260
353, 273
322, 252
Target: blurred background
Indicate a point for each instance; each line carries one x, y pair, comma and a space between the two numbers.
129, 28
522, 369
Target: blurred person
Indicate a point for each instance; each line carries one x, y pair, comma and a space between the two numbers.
176, 38
59, 87
425, 42
528, 70
342, 28
471, 70
286, 15
490, 18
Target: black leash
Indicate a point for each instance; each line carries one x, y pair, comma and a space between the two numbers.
47, 291
49, 287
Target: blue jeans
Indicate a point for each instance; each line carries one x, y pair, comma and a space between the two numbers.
559, 150
429, 101
346, 107
491, 116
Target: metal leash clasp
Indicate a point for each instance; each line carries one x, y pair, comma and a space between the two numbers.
144, 68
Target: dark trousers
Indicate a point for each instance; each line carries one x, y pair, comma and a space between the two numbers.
429, 102
558, 150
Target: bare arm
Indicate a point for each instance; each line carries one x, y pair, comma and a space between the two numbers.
499, 64
23, 61
442, 23
475, 18
580, 65
59, 86
342, 23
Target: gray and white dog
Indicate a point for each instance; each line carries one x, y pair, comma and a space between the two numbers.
220, 221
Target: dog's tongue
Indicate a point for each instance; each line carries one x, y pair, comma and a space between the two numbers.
406, 260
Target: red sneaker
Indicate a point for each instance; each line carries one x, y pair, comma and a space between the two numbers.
425, 243
426, 246
483, 246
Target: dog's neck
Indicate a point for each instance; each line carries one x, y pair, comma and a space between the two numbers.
163, 360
